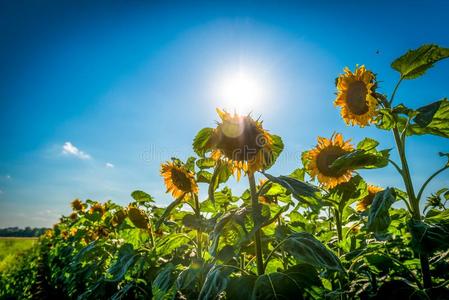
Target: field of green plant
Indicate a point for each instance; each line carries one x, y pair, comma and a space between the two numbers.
320, 232
10, 248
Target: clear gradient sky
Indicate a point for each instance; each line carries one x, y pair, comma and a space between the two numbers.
95, 95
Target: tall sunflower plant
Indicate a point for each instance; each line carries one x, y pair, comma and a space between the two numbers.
241, 146
362, 105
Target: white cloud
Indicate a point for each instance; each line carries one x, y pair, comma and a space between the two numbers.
8, 176
69, 149
109, 165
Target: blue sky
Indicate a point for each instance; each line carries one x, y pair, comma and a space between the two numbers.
95, 95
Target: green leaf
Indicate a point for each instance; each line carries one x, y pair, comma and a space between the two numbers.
240, 287
232, 216
190, 164
163, 287
378, 215
187, 280
204, 176
215, 283
201, 140
276, 148
126, 259
346, 193
300, 190
205, 163
142, 197
428, 238
307, 249
168, 243
298, 174
168, 210
297, 282
194, 222
361, 159
432, 119
416, 62
367, 144
221, 174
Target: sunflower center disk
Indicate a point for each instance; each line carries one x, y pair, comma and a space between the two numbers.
326, 157
240, 141
356, 98
181, 181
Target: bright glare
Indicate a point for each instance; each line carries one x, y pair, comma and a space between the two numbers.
241, 92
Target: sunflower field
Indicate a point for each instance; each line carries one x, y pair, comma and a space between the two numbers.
320, 232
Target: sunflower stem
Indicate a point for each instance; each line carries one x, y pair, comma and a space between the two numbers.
429, 180
256, 216
198, 231
339, 230
413, 200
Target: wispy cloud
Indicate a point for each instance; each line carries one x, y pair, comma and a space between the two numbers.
69, 149
1, 191
109, 165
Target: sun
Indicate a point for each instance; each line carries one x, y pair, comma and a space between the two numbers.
241, 92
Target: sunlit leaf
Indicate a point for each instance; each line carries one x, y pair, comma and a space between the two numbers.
432, 119
170, 242
362, 159
200, 142
416, 62
300, 190
276, 148
142, 197
205, 163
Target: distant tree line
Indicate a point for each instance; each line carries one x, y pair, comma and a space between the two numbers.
21, 232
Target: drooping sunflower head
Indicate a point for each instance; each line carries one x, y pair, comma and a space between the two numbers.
319, 159
363, 204
77, 205
242, 142
97, 208
355, 96
73, 216
178, 179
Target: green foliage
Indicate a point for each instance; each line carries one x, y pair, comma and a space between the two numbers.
285, 238
366, 156
432, 119
416, 62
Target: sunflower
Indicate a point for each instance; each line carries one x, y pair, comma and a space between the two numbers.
241, 142
319, 159
97, 207
178, 179
363, 204
356, 96
77, 205
73, 216
73, 231
138, 217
